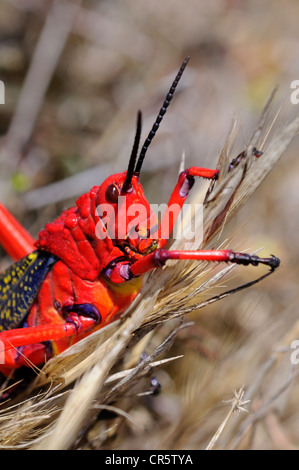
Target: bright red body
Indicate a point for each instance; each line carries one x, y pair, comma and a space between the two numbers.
78, 278
64, 287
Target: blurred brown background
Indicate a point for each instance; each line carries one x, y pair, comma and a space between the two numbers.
75, 74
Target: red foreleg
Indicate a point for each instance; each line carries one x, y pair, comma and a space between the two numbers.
16, 241
177, 199
159, 258
123, 271
181, 191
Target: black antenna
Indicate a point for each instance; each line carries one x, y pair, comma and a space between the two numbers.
159, 117
133, 157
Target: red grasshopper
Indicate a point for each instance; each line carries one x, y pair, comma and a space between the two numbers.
71, 282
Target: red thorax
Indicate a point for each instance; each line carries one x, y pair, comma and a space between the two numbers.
105, 224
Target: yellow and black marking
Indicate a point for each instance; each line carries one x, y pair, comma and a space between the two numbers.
19, 286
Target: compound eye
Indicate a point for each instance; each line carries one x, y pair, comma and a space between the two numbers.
112, 193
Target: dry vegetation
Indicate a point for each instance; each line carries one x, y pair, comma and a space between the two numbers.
75, 75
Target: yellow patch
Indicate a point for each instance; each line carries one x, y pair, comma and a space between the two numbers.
128, 287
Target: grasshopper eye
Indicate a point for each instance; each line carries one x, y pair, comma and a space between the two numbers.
112, 193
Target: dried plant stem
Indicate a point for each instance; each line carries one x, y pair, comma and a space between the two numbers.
237, 404
87, 389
